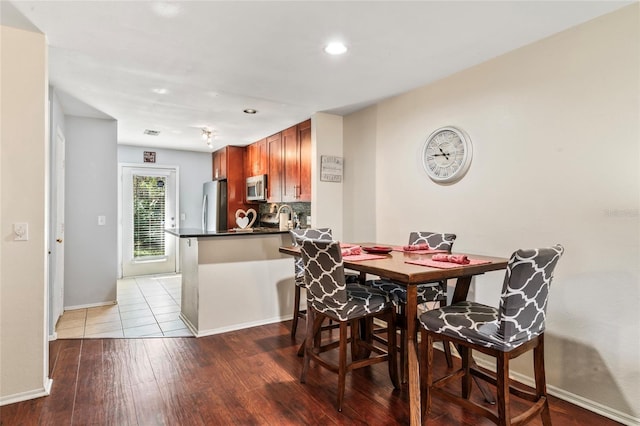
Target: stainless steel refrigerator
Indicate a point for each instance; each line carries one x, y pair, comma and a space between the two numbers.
214, 205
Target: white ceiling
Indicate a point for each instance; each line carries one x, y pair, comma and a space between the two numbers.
216, 58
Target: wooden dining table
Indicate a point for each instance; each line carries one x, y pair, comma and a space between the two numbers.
393, 266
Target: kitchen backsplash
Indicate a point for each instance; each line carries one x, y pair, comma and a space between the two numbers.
303, 210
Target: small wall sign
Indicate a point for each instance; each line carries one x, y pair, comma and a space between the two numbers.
330, 168
149, 156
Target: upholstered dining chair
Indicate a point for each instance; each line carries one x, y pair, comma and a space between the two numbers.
507, 332
328, 296
427, 292
296, 236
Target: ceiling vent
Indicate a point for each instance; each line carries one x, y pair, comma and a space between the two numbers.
151, 132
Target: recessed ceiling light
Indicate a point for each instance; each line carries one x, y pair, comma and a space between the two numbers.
335, 48
250, 111
151, 132
160, 90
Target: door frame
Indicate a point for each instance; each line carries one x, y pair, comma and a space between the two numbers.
56, 237
121, 167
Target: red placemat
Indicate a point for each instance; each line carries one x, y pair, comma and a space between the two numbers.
359, 257
347, 245
446, 265
430, 251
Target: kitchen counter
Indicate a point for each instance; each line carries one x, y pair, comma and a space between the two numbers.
199, 232
234, 280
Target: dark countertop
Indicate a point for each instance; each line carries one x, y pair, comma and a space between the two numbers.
199, 232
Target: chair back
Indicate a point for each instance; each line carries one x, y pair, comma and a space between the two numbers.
324, 275
310, 233
525, 292
435, 240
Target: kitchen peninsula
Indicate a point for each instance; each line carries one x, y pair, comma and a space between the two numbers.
234, 280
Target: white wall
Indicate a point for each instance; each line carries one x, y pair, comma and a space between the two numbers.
194, 170
23, 198
360, 176
90, 263
555, 128
326, 139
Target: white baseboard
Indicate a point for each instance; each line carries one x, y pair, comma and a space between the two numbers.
234, 327
190, 326
90, 305
565, 395
24, 396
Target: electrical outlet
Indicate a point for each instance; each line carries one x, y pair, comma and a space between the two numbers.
183, 216
101, 220
20, 231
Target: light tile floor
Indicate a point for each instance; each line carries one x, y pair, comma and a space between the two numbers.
147, 307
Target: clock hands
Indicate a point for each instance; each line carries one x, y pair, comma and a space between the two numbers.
443, 153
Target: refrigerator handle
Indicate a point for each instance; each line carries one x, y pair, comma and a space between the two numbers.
204, 212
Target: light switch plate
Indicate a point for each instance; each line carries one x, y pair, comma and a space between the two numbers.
101, 220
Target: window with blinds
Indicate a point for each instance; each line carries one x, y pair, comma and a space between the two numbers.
148, 216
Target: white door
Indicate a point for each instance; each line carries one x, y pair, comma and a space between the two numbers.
57, 297
149, 205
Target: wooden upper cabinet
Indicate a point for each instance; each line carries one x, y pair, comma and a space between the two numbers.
304, 140
256, 159
286, 159
219, 162
274, 168
291, 158
296, 143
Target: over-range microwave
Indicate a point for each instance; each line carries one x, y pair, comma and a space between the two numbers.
257, 188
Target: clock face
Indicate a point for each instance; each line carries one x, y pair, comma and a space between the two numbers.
446, 155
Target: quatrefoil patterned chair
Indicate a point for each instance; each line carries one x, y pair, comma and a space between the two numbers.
328, 296
296, 236
507, 332
427, 292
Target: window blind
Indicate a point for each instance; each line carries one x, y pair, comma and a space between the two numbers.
148, 216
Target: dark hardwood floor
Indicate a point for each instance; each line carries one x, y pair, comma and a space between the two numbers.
247, 377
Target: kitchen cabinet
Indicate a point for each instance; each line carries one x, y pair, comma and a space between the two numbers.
288, 164
274, 168
304, 142
219, 163
228, 164
256, 159
296, 146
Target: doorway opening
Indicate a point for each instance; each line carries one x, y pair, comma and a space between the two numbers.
148, 205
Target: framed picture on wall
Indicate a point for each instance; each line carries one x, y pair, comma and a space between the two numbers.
330, 168
149, 156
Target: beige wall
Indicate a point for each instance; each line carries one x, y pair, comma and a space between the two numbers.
24, 174
326, 139
555, 128
360, 176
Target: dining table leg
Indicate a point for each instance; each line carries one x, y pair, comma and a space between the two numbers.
415, 417
460, 294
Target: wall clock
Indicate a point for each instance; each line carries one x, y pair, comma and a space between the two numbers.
446, 155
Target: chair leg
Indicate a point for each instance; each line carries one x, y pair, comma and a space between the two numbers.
392, 350
342, 363
426, 372
541, 381
465, 353
447, 353
355, 330
308, 344
404, 356
296, 310
502, 389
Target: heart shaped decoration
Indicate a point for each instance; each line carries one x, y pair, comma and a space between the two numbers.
242, 218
